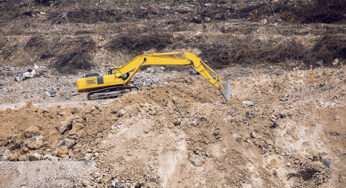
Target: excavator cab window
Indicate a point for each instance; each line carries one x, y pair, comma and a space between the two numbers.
112, 70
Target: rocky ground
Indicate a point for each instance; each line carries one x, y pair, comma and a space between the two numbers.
283, 127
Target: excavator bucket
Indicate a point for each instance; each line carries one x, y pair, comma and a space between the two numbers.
226, 91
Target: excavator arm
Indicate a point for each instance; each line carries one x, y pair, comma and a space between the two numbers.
169, 59
126, 72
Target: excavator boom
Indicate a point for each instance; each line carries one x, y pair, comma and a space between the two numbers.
121, 76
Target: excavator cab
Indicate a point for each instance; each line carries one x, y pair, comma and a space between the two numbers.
113, 70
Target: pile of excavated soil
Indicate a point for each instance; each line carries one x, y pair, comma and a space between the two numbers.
285, 129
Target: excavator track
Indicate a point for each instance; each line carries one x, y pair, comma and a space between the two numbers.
110, 92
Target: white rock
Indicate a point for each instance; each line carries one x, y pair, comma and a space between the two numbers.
85, 182
248, 103
5, 154
196, 160
194, 123
336, 62
35, 142
65, 126
51, 93
34, 157
121, 113
67, 142
50, 158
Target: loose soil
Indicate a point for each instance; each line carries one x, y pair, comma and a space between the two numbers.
283, 127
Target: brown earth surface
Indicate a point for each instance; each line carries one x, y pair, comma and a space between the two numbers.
278, 130
283, 127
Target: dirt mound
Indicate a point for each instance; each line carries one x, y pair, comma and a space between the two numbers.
93, 15
54, 51
321, 15
36, 43
245, 53
34, 120
166, 135
275, 51
323, 11
329, 48
86, 16
137, 44
73, 62
284, 127
312, 12
72, 56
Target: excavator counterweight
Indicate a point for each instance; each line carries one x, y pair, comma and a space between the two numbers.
117, 81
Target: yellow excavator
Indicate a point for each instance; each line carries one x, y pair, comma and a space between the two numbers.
117, 81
